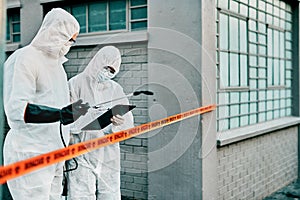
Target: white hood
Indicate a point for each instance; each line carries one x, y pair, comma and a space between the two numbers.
106, 56
57, 28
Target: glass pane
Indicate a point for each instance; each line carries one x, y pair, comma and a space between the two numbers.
223, 31
233, 30
16, 17
243, 9
262, 50
270, 42
16, 38
139, 25
253, 49
224, 69
244, 70
262, 83
16, 27
234, 6
97, 17
276, 72
269, 115
234, 70
223, 124
138, 13
244, 108
243, 36
261, 106
270, 94
262, 39
117, 15
223, 98
269, 105
261, 95
234, 97
223, 111
253, 108
79, 12
252, 25
244, 97
282, 73
234, 110
234, 122
252, 3
138, 2
253, 61
270, 71
253, 119
262, 72
281, 39
276, 43
244, 120
7, 29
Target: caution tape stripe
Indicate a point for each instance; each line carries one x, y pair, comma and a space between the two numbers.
26, 166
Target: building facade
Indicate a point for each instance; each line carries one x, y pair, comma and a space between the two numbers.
242, 55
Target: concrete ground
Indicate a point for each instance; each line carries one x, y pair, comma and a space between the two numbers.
290, 192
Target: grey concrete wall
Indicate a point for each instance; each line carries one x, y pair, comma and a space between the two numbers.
176, 76
31, 19
133, 75
255, 168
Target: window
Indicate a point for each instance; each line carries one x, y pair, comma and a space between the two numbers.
108, 15
233, 51
13, 27
254, 62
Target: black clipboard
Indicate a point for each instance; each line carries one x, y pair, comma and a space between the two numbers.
104, 120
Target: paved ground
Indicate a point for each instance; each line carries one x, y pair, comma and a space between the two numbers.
290, 192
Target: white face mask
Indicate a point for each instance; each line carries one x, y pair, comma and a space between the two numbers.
105, 75
65, 49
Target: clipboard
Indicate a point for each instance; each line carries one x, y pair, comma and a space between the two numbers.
104, 120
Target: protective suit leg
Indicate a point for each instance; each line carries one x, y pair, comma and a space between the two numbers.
108, 186
38, 184
81, 184
56, 186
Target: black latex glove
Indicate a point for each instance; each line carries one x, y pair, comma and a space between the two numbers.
44, 114
72, 112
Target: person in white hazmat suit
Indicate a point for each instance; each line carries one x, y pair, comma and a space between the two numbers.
35, 93
98, 172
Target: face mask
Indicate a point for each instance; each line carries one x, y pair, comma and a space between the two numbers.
65, 49
103, 76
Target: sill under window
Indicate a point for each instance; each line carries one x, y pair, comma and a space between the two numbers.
111, 38
242, 133
9, 47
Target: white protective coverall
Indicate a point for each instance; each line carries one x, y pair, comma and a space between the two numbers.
34, 74
98, 172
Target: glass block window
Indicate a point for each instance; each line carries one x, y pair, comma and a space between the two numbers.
13, 26
110, 15
254, 61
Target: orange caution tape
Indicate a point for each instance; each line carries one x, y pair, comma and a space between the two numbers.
26, 166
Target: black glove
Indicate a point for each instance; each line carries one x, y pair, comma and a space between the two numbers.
72, 112
44, 114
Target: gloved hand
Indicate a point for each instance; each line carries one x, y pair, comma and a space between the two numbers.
72, 112
117, 120
44, 114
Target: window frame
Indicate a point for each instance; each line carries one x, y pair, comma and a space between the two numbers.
128, 22
10, 24
256, 104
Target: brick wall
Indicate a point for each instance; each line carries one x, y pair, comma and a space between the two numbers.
255, 168
133, 75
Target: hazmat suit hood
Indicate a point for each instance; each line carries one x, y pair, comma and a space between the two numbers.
106, 56
57, 28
